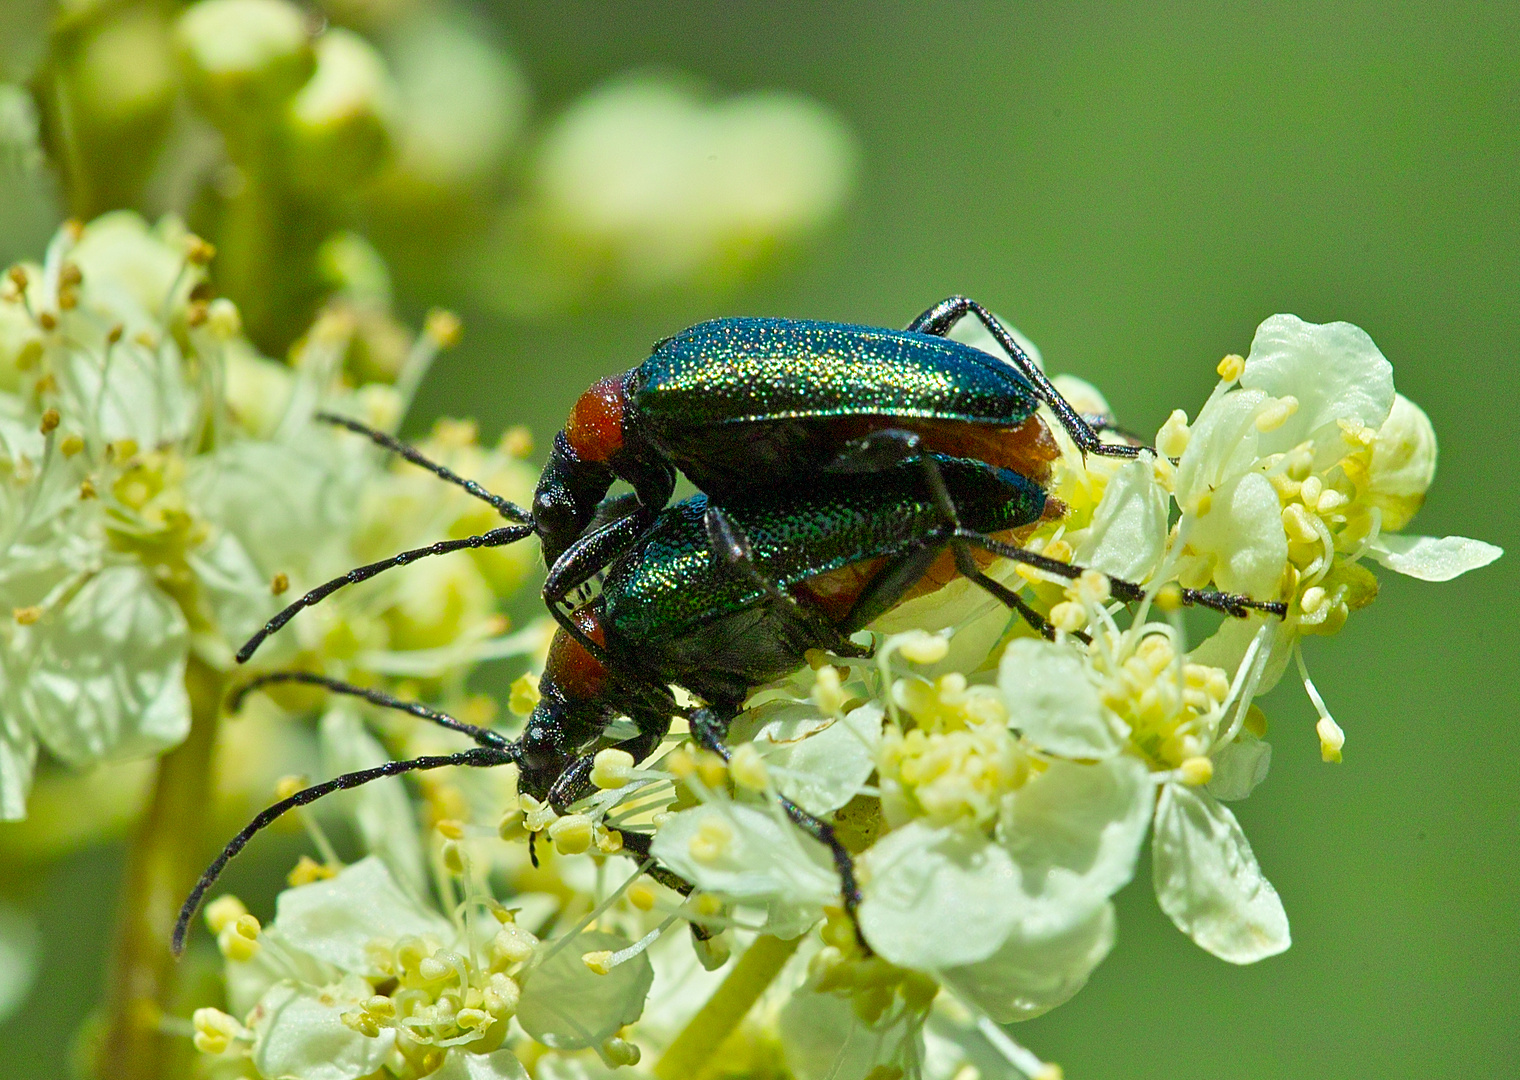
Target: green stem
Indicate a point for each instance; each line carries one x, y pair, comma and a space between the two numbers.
692, 1051
163, 862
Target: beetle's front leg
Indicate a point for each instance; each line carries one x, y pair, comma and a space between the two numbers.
939, 320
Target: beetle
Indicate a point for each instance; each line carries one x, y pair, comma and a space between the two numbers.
719, 600
740, 404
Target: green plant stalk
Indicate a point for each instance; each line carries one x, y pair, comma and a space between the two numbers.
692, 1051
163, 862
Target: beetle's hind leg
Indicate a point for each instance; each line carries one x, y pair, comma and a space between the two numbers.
731, 547
939, 320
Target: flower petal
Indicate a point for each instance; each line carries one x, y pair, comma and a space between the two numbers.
500, 1065
333, 920
1433, 559
817, 762
760, 860
823, 1039
1074, 832
1239, 766
385, 817
109, 680
1052, 700
20, 945
1208, 881
1333, 369
925, 885
300, 1034
1403, 463
1032, 974
568, 1006
1242, 533
1128, 533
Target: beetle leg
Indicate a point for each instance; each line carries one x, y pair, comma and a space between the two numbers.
708, 728
731, 547
574, 783
582, 561
938, 321
1129, 592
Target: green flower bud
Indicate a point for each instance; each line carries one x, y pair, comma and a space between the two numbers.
244, 56
124, 72
339, 125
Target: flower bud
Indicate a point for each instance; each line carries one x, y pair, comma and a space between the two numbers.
339, 123
244, 56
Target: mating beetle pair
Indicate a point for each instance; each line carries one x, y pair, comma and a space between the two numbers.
841, 463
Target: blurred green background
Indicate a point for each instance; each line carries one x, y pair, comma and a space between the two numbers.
1136, 186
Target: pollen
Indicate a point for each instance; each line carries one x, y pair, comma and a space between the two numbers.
279, 584
308, 870
71, 445
27, 616
50, 421
215, 1031
524, 697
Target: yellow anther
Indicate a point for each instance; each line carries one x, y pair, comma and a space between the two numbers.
380, 1005
711, 841
1309, 491
918, 990
362, 1022
1093, 586
712, 769
620, 1052
1296, 523
1256, 722
501, 995
453, 857
1068, 616
537, 815
1330, 500
524, 696
307, 870
47, 320
443, 327
599, 962
1173, 437
680, 763
748, 768
571, 834
708, 906
1312, 600
828, 691
198, 251
611, 768
431, 968
223, 912
18, 277
87, 488
608, 841
922, 647
70, 445
215, 1031
512, 945
450, 829
641, 896
1058, 549
471, 1019
1276, 414
279, 584
1231, 367
517, 442
1050, 1071
26, 616
235, 946
1196, 771
50, 421
247, 926
1331, 739
1169, 597
286, 786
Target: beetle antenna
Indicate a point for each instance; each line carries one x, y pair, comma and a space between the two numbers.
507, 509
506, 534
480, 757
482, 736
